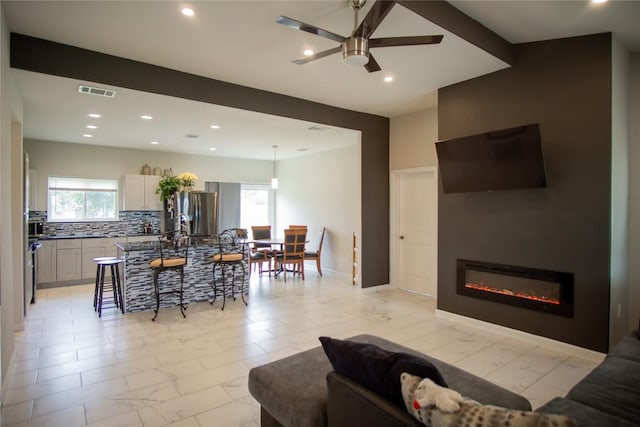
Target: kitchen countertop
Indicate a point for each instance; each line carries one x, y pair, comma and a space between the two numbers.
153, 245
88, 236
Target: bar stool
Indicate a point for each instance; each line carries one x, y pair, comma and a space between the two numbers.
231, 253
116, 289
95, 291
174, 253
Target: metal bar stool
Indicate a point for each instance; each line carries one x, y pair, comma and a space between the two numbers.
174, 252
232, 252
116, 288
95, 291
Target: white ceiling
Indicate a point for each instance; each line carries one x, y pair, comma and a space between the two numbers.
239, 42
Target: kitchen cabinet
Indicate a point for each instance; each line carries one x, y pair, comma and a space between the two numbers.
32, 197
139, 193
68, 259
94, 248
47, 264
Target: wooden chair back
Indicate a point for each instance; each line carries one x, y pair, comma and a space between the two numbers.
316, 254
293, 251
294, 242
261, 232
310, 256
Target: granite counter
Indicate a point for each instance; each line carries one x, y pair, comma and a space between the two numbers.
198, 278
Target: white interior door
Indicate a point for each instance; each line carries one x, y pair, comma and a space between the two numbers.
416, 231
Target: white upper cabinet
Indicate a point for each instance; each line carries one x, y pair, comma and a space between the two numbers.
33, 190
139, 193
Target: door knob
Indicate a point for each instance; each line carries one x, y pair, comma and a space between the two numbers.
401, 237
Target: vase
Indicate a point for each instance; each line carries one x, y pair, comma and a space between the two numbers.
187, 188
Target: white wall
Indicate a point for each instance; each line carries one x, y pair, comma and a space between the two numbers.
619, 274
11, 247
411, 140
634, 192
93, 161
322, 190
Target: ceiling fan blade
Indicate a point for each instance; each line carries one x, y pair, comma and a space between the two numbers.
317, 55
376, 14
298, 25
404, 41
372, 66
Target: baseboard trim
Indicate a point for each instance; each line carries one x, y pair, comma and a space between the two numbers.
584, 353
6, 381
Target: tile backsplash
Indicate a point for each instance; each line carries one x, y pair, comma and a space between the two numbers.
130, 223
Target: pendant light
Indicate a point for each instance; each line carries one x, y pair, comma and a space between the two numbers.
274, 180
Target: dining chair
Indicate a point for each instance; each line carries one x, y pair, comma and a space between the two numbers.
232, 252
174, 253
316, 255
261, 252
293, 252
297, 226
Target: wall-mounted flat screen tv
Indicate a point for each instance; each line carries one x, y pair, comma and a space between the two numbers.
506, 159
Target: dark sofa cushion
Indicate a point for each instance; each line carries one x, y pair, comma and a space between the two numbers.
628, 347
377, 369
612, 387
584, 415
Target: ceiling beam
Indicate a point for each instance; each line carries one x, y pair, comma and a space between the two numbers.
451, 19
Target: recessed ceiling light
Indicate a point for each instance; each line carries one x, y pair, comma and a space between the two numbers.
308, 52
598, 1
187, 11
212, 149
388, 79
146, 117
154, 143
92, 127
215, 127
94, 115
88, 135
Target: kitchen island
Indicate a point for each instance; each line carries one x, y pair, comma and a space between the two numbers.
198, 279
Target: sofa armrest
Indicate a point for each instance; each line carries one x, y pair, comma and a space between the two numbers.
351, 405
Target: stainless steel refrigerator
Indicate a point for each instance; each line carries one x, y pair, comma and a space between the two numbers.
196, 212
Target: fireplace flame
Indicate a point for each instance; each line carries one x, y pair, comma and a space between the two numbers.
511, 293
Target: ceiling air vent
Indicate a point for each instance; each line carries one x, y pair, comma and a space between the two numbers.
317, 128
96, 91
192, 135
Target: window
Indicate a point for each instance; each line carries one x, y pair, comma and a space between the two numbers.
256, 205
82, 199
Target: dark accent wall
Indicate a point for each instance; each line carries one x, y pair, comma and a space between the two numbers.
565, 85
43, 56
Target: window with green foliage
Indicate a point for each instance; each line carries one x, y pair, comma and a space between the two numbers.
82, 199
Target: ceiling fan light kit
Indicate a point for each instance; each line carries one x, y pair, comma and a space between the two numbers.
355, 51
355, 48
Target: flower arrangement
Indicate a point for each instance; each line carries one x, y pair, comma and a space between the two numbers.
188, 179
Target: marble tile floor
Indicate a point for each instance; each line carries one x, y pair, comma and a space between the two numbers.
75, 369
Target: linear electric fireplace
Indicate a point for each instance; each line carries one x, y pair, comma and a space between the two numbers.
531, 288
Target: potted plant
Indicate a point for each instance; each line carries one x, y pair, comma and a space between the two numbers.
168, 186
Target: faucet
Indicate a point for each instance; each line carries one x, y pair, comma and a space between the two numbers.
184, 223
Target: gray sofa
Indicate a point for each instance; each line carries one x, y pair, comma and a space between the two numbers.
610, 394
302, 391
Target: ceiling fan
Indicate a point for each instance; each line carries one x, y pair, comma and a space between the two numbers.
355, 48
